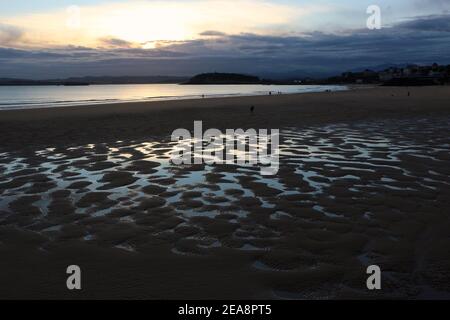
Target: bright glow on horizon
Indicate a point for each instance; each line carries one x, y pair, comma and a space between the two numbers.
42, 39
140, 23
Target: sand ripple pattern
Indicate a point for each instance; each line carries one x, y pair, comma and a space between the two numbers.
346, 196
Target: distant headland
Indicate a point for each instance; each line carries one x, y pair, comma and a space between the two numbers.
232, 78
404, 75
223, 78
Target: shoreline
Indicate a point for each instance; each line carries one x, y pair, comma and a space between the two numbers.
363, 180
169, 98
137, 120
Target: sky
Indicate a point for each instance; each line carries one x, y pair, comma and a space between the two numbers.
41, 39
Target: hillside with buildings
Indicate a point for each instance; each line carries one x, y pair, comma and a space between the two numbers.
396, 76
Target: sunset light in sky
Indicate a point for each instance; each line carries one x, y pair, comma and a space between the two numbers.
135, 23
50, 38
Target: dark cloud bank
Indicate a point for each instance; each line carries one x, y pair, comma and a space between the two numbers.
419, 40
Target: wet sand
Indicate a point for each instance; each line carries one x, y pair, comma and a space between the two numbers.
364, 179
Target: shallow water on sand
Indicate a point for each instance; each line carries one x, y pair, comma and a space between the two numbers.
26, 97
346, 195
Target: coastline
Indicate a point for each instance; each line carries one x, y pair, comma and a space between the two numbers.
92, 186
125, 121
144, 93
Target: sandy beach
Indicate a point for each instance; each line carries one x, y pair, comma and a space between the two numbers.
364, 179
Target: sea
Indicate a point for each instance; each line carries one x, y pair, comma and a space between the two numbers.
28, 97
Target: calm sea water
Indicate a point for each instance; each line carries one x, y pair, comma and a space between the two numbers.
25, 97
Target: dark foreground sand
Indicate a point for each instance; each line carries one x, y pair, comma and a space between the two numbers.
364, 179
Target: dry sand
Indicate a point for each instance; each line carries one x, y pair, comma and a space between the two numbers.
364, 179
103, 123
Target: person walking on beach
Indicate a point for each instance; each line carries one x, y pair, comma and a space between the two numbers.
252, 109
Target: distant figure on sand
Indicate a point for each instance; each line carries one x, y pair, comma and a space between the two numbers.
252, 109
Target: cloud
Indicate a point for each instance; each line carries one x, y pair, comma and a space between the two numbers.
115, 43
212, 33
9, 53
10, 34
428, 23
419, 40
144, 21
